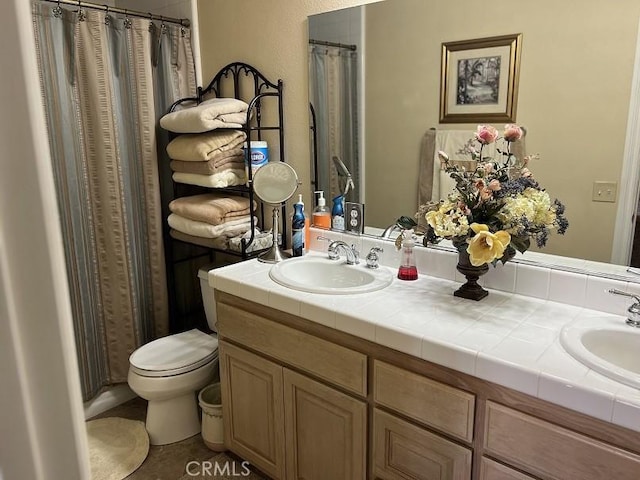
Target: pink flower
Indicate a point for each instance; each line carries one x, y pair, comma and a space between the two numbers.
494, 185
526, 173
486, 134
512, 132
486, 167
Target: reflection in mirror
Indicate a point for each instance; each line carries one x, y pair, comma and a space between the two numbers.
574, 94
333, 93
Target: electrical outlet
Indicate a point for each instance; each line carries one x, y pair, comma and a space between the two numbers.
354, 217
604, 191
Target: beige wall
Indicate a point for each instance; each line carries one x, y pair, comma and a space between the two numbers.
272, 36
574, 90
579, 142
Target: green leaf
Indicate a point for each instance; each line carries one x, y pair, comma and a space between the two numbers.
521, 244
406, 222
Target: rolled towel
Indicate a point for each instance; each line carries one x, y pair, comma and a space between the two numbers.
208, 115
225, 178
209, 167
229, 229
211, 208
205, 146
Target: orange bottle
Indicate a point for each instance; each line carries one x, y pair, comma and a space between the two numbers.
321, 217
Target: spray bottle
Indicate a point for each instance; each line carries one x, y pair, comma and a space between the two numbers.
299, 228
337, 213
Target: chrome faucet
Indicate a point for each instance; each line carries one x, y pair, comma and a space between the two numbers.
633, 317
350, 252
390, 229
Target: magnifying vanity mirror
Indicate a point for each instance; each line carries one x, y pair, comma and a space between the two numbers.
575, 90
275, 183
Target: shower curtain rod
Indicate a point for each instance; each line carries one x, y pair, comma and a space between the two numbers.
332, 44
133, 13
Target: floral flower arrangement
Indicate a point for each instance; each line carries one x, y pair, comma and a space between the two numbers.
496, 208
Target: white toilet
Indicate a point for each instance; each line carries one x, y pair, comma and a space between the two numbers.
169, 372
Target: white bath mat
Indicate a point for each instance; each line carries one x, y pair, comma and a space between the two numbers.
117, 447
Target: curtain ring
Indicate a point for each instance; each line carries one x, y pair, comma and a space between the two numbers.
81, 15
150, 21
107, 18
57, 10
127, 20
163, 27
183, 31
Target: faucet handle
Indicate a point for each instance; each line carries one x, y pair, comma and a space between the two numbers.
633, 318
373, 258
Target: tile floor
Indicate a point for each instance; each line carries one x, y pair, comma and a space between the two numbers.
164, 462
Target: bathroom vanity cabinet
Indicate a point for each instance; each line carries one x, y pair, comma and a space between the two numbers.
301, 400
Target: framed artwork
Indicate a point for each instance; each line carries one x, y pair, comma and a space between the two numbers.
479, 80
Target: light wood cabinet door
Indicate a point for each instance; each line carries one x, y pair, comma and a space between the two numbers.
553, 452
491, 470
402, 451
253, 410
325, 431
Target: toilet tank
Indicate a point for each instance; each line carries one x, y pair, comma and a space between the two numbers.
208, 298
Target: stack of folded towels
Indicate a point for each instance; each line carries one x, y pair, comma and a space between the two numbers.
210, 219
213, 159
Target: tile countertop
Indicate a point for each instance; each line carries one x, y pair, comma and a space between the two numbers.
506, 338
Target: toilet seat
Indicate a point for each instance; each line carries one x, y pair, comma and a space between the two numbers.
174, 354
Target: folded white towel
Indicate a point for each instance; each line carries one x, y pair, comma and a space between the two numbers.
208, 115
226, 178
201, 229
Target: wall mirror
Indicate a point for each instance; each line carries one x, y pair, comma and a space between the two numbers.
575, 89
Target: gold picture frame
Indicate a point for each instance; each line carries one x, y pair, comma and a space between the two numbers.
479, 80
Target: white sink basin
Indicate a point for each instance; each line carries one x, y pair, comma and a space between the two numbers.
317, 274
607, 345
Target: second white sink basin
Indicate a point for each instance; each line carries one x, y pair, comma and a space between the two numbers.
607, 345
318, 274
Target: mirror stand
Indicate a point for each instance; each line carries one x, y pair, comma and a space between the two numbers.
275, 254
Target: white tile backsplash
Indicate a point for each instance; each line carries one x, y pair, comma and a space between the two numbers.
567, 287
598, 297
532, 281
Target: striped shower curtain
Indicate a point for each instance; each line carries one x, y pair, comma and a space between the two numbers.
333, 94
105, 81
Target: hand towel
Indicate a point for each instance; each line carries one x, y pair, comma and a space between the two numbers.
208, 115
457, 144
199, 147
201, 229
209, 167
226, 178
211, 208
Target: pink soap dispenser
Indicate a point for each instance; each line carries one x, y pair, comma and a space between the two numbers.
407, 270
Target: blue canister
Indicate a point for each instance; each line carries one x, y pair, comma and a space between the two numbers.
259, 155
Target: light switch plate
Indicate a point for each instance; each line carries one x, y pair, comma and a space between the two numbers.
604, 191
